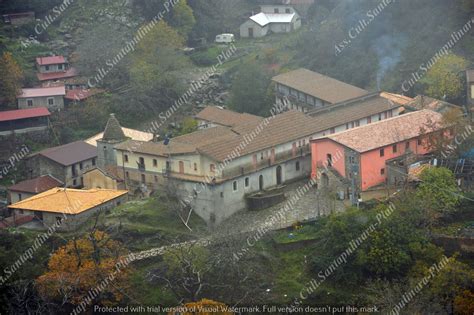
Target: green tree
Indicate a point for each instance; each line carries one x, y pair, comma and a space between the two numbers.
11, 79
189, 125
182, 18
250, 90
444, 80
438, 191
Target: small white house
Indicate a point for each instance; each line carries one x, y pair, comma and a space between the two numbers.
259, 25
225, 38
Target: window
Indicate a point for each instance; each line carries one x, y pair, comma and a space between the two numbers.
261, 156
247, 182
60, 67
329, 160
155, 163
390, 114
156, 179
195, 166
407, 145
29, 102
141, 161
222, 194
369, 120
93, 162
287, 10
351, 159
276, 10
304, 142
46, 68
50, 101
234, 186
74, 182
347, 126
212, 167
382, 152
19, 197
125, 158
380, 117
58, 220
143, 178
394, 148
127, 175
81, 166
382, 171
357, 123
297, 165
333, 130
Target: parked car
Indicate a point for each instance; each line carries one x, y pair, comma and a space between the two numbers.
225, 38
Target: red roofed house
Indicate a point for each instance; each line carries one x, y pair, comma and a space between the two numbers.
54, 68
50, 97
24, 121
362, 152
67, 163
31, 187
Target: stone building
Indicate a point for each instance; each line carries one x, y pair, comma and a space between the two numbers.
67, 163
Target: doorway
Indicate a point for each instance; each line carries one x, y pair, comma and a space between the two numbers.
278, 175
251, 32
260, 182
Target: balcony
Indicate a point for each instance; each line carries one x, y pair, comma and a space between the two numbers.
250, 167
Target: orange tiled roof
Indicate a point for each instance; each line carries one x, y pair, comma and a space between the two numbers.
69, 201
389, 131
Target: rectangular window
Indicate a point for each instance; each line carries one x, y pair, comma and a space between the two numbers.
357, 123
329, 159
234, 186
351, 160
60, 67
19, 197
382, 171
287, 10
93, 162
81, 166
297, 166
407, 145
155, 163
46, 68
29, 102
333, 130
195, 166
276, 10
394, 148
127, 174
247, 182
125, 158
380, 117
382, 152
347, 126
50, 101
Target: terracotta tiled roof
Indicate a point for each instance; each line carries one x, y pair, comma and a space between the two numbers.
50, 60
225, 117
36, 185
43, 92
386, 132
24, 113
426, 102
352, 110
319, 86
81, 94
70, 201
70, 153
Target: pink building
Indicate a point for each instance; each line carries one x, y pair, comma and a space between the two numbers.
361, 152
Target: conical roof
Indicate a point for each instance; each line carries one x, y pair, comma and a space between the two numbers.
113, 130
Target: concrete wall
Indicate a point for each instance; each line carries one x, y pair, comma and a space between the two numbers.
52, 68
97, 179
16, 196
319, 156
214, 203
372, 163
42, 102
258, 31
